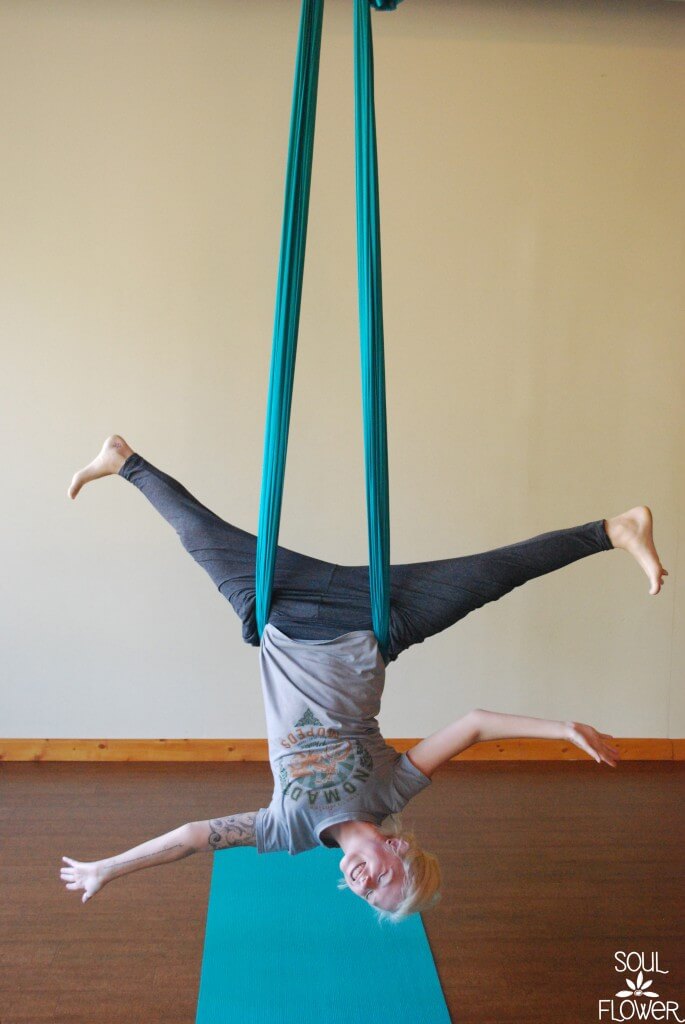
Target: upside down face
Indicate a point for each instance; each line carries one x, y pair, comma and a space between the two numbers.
374, 871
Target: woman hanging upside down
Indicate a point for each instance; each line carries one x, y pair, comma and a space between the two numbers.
337, 782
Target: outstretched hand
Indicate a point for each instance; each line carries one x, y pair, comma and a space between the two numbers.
593, 743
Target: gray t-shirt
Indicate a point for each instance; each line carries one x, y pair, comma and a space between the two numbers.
328, 758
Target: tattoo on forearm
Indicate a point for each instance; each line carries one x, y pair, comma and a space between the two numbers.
235, 830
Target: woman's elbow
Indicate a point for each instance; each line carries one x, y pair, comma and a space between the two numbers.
197, 836
476, 717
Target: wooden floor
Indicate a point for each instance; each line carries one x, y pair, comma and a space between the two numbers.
550, 868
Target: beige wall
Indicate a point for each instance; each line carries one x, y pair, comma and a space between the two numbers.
532, 168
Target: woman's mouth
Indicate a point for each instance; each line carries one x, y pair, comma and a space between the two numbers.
356, 870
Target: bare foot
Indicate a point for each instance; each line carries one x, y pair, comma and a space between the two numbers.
110, 459
90, 876
632, 531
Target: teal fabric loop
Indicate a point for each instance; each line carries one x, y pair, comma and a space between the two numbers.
288, 299
287, 314
371, 326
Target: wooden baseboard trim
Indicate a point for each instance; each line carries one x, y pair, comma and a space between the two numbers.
256, 750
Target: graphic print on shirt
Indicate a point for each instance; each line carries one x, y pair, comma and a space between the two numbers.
323, 768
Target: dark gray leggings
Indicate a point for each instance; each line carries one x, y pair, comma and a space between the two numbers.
316, 600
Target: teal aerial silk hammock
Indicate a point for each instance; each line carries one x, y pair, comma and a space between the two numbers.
287, 311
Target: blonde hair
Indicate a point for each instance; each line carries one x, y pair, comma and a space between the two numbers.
421, 889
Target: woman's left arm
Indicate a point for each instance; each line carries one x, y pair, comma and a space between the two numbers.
495, 726
480, 725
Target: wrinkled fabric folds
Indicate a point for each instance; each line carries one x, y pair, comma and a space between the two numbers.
287, 311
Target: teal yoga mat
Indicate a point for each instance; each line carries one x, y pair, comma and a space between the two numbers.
284, 946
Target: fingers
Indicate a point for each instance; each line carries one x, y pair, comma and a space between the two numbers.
609, 746
595, 744
592, 751
611, 756
69, 875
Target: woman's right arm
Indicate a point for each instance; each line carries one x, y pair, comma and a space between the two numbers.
221, 833
193, 837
